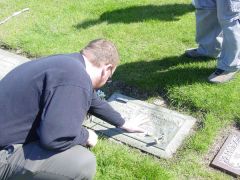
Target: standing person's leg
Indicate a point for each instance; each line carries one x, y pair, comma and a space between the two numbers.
33, 162
229, 61
208, 30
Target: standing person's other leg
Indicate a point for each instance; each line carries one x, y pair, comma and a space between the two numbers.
208, 30
229, 61
33, 162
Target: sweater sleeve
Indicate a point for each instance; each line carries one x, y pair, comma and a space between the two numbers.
62, 117
103, 110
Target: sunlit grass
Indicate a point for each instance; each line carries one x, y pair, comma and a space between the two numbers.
151, 37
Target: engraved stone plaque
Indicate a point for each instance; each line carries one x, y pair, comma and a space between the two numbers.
166, 129
228, 158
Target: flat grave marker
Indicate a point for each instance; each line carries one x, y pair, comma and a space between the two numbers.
228, 158
166, 129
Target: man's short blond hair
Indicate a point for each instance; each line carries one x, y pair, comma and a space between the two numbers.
101, 51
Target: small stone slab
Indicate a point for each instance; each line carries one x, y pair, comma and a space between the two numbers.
228, 158
9, 61
166, 128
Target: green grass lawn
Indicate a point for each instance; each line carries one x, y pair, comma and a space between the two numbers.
151, 36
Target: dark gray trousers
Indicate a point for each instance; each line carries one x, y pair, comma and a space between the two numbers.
33, 162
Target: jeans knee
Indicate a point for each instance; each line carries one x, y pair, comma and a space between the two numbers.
84, 165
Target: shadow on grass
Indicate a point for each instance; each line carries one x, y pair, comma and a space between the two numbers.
168, 12
156, 76
237, 122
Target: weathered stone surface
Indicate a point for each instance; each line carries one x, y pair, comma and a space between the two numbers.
166, 128
9, 61
228, 158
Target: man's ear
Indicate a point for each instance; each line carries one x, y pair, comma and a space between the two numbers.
109, 67
105, 71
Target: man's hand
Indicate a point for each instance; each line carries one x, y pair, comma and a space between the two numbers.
133, 126
92, 139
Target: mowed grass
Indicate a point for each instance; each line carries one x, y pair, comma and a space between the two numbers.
151, 36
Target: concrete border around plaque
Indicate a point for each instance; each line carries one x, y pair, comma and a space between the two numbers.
228, 158
166, 128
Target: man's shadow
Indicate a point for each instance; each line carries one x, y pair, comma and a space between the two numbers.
168, 12
158, 75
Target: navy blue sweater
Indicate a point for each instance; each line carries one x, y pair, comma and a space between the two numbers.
47, 100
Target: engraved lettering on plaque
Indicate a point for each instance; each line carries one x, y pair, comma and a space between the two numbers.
228, 157
161, 127
165, 128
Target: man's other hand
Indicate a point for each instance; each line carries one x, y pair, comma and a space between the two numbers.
92, 139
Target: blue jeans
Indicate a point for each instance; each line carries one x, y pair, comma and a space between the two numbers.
218, 31
30, 161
